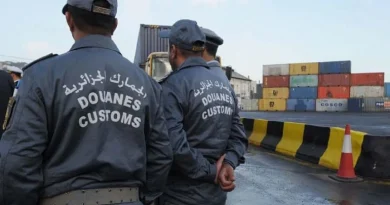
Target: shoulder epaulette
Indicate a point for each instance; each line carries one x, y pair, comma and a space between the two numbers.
51, 55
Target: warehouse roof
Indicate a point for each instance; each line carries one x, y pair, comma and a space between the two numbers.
237, 75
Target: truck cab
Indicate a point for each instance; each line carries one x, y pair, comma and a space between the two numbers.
157, 65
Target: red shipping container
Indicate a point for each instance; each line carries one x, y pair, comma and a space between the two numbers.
340, 92
368, 79
334, 80
276, 81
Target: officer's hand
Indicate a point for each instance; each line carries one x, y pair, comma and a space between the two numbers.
226, 178
219, 166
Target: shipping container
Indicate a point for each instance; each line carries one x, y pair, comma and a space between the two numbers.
273, 93
376, 105
387, 89
303, 93
340, 92
369, 105
333, 80
355, 104
304, 81
367, 91
303, 68
272, 104
331, 105
367, 79
301, 105
276, 81
335, 67
149, 41
250, 104
276, 70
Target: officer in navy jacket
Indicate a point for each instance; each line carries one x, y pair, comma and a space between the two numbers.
199, 109
87, 126
238, 140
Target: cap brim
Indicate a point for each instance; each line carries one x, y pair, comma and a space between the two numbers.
65, 9
164, 33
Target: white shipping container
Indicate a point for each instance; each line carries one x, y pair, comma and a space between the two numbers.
331, 105
367, 91
250, 104
276, 70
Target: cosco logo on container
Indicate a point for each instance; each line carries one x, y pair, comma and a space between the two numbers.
332, 104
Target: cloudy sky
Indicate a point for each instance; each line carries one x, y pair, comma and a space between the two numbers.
256, 32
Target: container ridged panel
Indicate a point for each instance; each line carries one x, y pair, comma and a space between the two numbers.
303, 93
335, 67
149, 41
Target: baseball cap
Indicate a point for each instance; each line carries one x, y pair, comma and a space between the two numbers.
88, 5
212, 37
187, 35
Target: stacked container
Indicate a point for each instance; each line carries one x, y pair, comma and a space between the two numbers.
303, 87
333, 86
368, 93
322, 87
275, 87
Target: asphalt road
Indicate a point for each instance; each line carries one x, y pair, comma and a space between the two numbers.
270, 179
373, 123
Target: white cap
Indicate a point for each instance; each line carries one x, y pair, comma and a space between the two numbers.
13, 69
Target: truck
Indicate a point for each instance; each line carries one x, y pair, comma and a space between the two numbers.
151, 53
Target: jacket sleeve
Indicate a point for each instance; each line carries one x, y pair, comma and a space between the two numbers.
238, 141
22, 146
159, 154
191, 162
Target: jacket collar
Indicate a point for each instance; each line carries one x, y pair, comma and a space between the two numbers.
194, 61
214, 63
95, 41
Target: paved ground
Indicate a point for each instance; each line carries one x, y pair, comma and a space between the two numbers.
373, 123
269, 179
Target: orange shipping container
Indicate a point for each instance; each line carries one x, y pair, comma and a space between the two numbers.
276, 81
340, 92
368, 79
333, 80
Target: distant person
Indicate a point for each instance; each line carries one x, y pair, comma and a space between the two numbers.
199, 108
16, 74
6, 90
88, 126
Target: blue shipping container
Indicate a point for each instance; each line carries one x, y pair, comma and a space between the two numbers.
387, 89
303, 93
355, 104
335, 67
301, 104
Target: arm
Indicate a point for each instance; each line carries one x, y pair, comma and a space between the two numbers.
159, 154
238, 141
189, 160
22, 146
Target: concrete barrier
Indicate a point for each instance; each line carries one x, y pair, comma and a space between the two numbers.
322, 145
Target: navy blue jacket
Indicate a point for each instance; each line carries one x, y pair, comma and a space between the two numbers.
86, 119
203, 123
